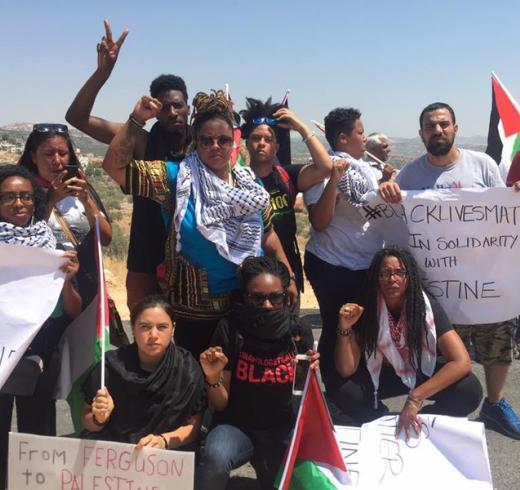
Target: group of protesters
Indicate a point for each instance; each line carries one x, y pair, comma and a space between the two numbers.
215, 276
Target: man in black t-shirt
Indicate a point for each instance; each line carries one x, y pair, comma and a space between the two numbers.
167, 140
262, 129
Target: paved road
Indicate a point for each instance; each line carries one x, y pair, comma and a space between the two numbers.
504, 453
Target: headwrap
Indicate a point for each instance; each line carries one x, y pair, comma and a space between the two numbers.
387, 348
357, 182
226, 216
160, 402
36, 235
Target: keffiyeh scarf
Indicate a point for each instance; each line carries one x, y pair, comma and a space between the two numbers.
226, 216
37, 235
357, 182
387, 348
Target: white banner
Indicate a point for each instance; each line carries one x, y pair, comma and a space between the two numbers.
50, 463
449, 453
466, 242
30, 285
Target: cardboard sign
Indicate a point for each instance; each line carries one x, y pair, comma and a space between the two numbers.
58, 463
467, 244
449, 453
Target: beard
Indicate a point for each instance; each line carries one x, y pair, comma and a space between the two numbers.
440, 146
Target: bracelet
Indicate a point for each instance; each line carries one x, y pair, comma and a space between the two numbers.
219, 383
97, 422
292, 277
164, 440
414, 401
308, 137
345, 332
133, 120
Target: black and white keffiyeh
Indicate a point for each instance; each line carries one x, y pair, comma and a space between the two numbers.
37, 235
357, 182
226, 216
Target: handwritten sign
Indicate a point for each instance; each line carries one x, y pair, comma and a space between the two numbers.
30, 285
449, 452
466, 242
58, 463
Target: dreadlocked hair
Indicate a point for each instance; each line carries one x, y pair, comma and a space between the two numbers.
255, 108
415, 308
210, 106
256, 266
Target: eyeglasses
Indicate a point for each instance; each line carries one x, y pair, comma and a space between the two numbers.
50, 128
208, 141
276, 299
387, 274
11, 197
270, 121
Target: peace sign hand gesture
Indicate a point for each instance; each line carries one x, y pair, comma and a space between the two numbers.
108, 49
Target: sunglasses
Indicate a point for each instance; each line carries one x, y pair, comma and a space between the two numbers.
208, 141
270, 121
276, 299
387, 274
50, 128
11, 197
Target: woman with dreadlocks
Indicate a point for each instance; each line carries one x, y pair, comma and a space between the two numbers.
217, 216
390, 347
264, 127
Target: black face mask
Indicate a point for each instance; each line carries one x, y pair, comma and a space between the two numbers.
255, 321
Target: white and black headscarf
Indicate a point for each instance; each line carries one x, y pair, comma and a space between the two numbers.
35, 235
227, 216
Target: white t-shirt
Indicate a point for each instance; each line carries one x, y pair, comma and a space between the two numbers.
470, 169
347, 241
73, 211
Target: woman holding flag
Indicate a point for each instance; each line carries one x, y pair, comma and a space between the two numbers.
393, 346
249, 374
154, 391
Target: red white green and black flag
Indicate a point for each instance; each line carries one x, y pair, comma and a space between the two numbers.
504, 131
313, 460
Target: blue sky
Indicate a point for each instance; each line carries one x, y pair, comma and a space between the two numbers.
389, 59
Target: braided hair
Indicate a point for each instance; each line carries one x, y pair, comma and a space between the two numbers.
415, 310
210, 106
256, 266
255, 108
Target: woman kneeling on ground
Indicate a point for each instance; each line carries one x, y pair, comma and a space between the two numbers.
249, 376
154, 393
390, 348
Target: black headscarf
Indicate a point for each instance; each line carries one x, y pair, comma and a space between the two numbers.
150, 403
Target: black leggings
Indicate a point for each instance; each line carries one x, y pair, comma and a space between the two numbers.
354, 396
333, 286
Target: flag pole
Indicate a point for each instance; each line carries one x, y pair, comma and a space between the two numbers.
226, 90
101, 299
285, 96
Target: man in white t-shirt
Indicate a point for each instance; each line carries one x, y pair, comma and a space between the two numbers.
447, 166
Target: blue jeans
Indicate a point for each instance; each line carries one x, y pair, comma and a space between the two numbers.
228, 447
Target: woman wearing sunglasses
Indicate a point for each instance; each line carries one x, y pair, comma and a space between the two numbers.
22, 212
249, 376
265, 125
400, 342
217, 216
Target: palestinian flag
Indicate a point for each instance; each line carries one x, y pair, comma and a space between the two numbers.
84, 343
313, 460
504, 130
